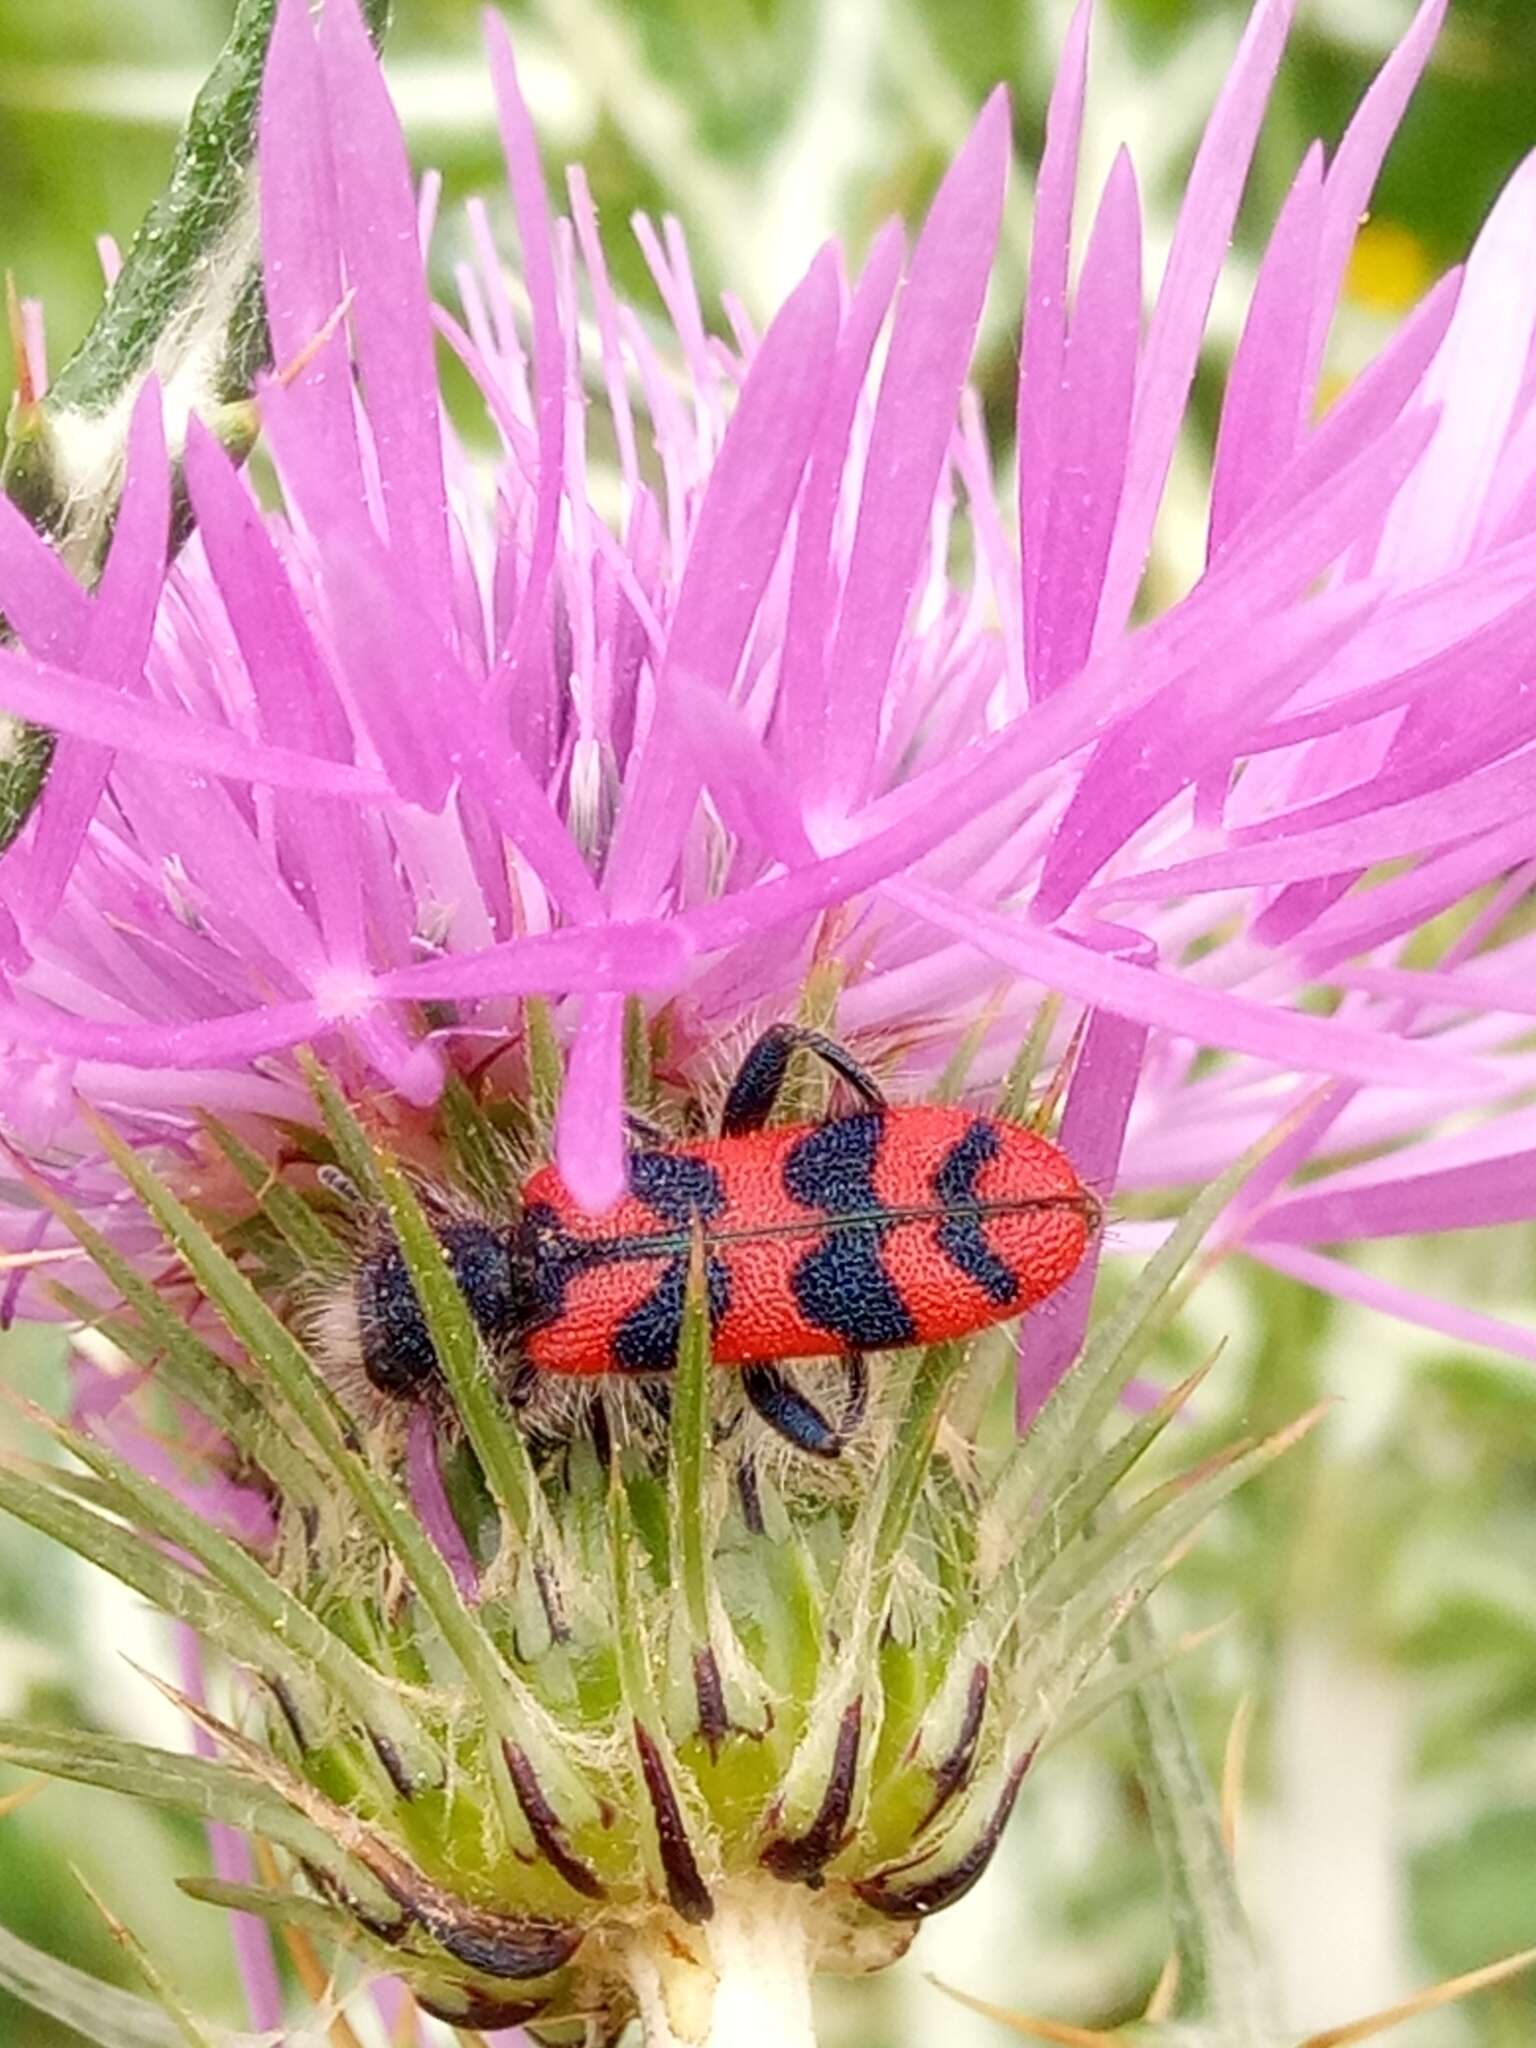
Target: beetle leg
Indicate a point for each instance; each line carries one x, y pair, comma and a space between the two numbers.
760, 1076
783, 1407
751, 1497
855, 1393
522, 1384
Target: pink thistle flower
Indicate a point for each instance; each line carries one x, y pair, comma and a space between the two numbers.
440, 733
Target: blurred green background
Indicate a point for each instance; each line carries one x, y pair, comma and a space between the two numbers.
1380, 1589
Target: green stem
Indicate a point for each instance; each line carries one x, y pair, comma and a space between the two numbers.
187, 306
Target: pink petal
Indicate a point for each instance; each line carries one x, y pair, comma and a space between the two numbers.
52, 697
429, 1497
1212, 192
528, 195
802, 705
301, 250
390, 316
930, 351
736, 542
1162, 747
1262, 417
1465, 1326
1265, 1031
1476, 379
757, 799
44, 605
1091, 436
1455, 1198
1044, 340
589, 1131
1352, 174
115, 648
650, 954
1093, 1127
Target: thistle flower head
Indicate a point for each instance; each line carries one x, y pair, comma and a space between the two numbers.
693, 687
522, 788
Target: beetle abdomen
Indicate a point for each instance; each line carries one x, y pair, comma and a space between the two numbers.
885, 1228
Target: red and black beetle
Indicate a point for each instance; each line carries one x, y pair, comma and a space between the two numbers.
885, 1227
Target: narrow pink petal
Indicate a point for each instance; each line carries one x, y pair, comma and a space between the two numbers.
67, 702
1348, 1283
637, 957
1483, 803
514, 799
756, 798
1280, 562
294, 692
413, 695
1093, 1126
802, 705
1044, 340
1456, 1198
1373, 402
301, 251
615, 378
589, 1130
1098, 382
915, 414
1443, 739
532, 206
1200, 242
1197, 721
736, 543
271, 1028
1436, 989
293, 687
114, 651
1476, 379
1400, 905
1352, 174
1265, 1031
429, 1497
390, 315
650, 954
44, 605
1262, 414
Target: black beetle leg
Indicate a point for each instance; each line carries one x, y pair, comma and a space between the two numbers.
750, 1494
855, 1394
760, 1076
784, 1408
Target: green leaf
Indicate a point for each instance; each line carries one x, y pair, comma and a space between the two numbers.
1220, 1973
692, 1420
301, 1228
211, 1791
279, 1631
99, 2013
1062, 1434
36, 1500
188, 1366
186, 2022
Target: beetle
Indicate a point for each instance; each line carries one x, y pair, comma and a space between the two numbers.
883, 1227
